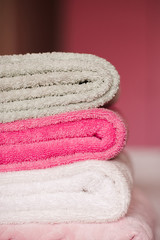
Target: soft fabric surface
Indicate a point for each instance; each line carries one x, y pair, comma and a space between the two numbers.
36, 85
136, 225
61, 139
148, 158
88, 191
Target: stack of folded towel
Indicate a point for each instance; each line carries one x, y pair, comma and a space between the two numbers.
63, 174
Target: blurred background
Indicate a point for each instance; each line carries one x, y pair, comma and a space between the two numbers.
126, 33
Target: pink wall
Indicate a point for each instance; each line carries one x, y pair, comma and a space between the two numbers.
127, 33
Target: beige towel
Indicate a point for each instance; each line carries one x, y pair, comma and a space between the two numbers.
36, 85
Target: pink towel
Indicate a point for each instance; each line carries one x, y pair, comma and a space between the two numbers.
137, 225
61, 139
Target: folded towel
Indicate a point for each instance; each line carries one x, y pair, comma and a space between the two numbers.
36, 85
88, 191
137, 225
61, 139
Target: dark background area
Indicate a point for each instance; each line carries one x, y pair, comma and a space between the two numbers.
31, 26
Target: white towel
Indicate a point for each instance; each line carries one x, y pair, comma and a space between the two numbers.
36, 85
87, 191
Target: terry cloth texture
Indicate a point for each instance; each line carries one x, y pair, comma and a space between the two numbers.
61, 139
136, 225
36, 85
88, 191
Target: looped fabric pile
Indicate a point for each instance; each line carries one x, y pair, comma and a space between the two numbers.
63, 172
